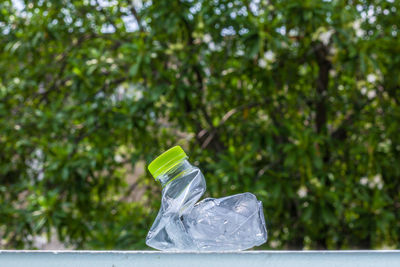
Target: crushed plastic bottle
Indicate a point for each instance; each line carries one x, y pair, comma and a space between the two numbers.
229, 223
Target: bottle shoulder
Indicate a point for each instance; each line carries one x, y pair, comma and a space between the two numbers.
185, 177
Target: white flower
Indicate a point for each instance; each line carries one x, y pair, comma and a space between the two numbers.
357, 27
371, 78
91, 62
364, 91
269, 55
207, 38
325, 36
364, 181
118, 158
262, 63
302, 192
371, 94
377, 180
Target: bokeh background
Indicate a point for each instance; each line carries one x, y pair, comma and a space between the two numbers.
294, 101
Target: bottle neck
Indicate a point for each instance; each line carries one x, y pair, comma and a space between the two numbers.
174, 172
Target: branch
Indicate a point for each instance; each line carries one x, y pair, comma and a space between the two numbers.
227, 115
199, 77
109, 20
324, 65
341, 132
107, 85
63, 61
128, 192
137, 17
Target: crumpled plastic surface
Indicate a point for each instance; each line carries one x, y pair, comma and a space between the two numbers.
229, 223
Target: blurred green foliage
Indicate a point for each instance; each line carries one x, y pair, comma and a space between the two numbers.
294, 101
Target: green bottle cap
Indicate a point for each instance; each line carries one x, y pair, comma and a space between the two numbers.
166, 161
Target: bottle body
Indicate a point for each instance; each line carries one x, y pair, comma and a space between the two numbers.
182, 188
230, 223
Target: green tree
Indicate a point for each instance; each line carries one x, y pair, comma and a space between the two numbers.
297, 102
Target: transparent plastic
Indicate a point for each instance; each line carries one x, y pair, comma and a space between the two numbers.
229, 223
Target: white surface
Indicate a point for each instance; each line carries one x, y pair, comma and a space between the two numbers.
232, 259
